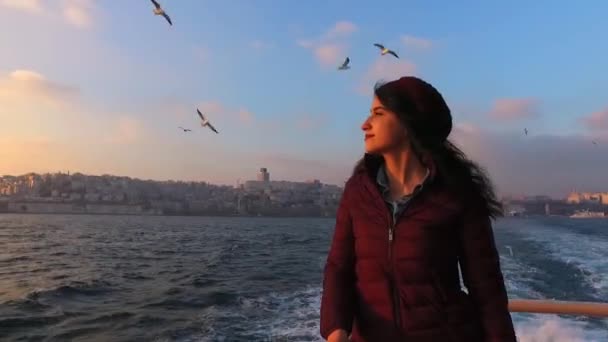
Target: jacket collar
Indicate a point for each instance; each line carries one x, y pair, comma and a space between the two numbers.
372, 163
368, 171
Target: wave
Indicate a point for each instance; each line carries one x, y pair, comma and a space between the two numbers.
586, 254
74, 288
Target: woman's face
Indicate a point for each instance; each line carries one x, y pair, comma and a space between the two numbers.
382, 130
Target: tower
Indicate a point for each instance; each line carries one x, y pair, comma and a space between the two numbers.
263, 175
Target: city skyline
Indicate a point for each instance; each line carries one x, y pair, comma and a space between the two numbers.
101, 88
265, 177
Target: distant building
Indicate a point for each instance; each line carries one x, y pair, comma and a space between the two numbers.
587, 197
263, 175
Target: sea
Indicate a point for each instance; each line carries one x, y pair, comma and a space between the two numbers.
168, 278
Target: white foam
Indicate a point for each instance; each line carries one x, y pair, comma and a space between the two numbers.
556, 329
516, 275
295, 317
587, 254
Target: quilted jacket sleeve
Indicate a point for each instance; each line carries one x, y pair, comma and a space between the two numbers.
337, 302
483, 278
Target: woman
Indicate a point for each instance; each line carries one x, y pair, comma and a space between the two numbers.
414, 210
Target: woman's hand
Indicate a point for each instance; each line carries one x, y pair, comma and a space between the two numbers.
338, 335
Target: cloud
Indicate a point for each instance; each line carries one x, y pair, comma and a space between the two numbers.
48, 126
32, 6
544, 164
515, 109
25, 88
597, 121
245, 116
259, 45
216, 110
78, 13
225, 115
417, 42
308, 122
125, 130
385, 68
329, 54
330, 48
340, 29
32, 105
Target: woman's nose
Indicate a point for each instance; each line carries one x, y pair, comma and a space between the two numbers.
366, 126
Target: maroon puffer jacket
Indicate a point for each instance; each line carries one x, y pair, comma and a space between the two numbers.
407, 288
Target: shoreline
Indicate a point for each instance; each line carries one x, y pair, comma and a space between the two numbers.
168, 215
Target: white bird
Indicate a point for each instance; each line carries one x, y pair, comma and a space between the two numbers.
185, 129
526, 131
345, 65
510, 250
160, 11
384, 51
205, 121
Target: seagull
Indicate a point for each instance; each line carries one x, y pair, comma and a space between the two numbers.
510, 250
526, 131
205, 122
160, 11
185, 129
594, 142
384, 51
344, 65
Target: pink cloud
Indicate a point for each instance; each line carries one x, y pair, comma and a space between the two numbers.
310, 122
384, 69
597, 121
245, 116
78, 13
514, 109
330, 48
126, 130
25, 88
32, 6
329, 54
417, 42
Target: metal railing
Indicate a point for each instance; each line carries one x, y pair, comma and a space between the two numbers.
559, 307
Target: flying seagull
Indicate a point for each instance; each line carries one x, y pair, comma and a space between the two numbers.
160, 11
185, 129
345, 65
594, 142
205, 122
384, 51
526, 131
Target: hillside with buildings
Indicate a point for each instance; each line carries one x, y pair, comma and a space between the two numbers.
107, 194
575, 202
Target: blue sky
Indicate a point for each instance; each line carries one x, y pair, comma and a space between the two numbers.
101, 86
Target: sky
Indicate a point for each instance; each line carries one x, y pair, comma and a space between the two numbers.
100, 87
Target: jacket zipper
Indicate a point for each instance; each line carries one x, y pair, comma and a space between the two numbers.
393, 285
